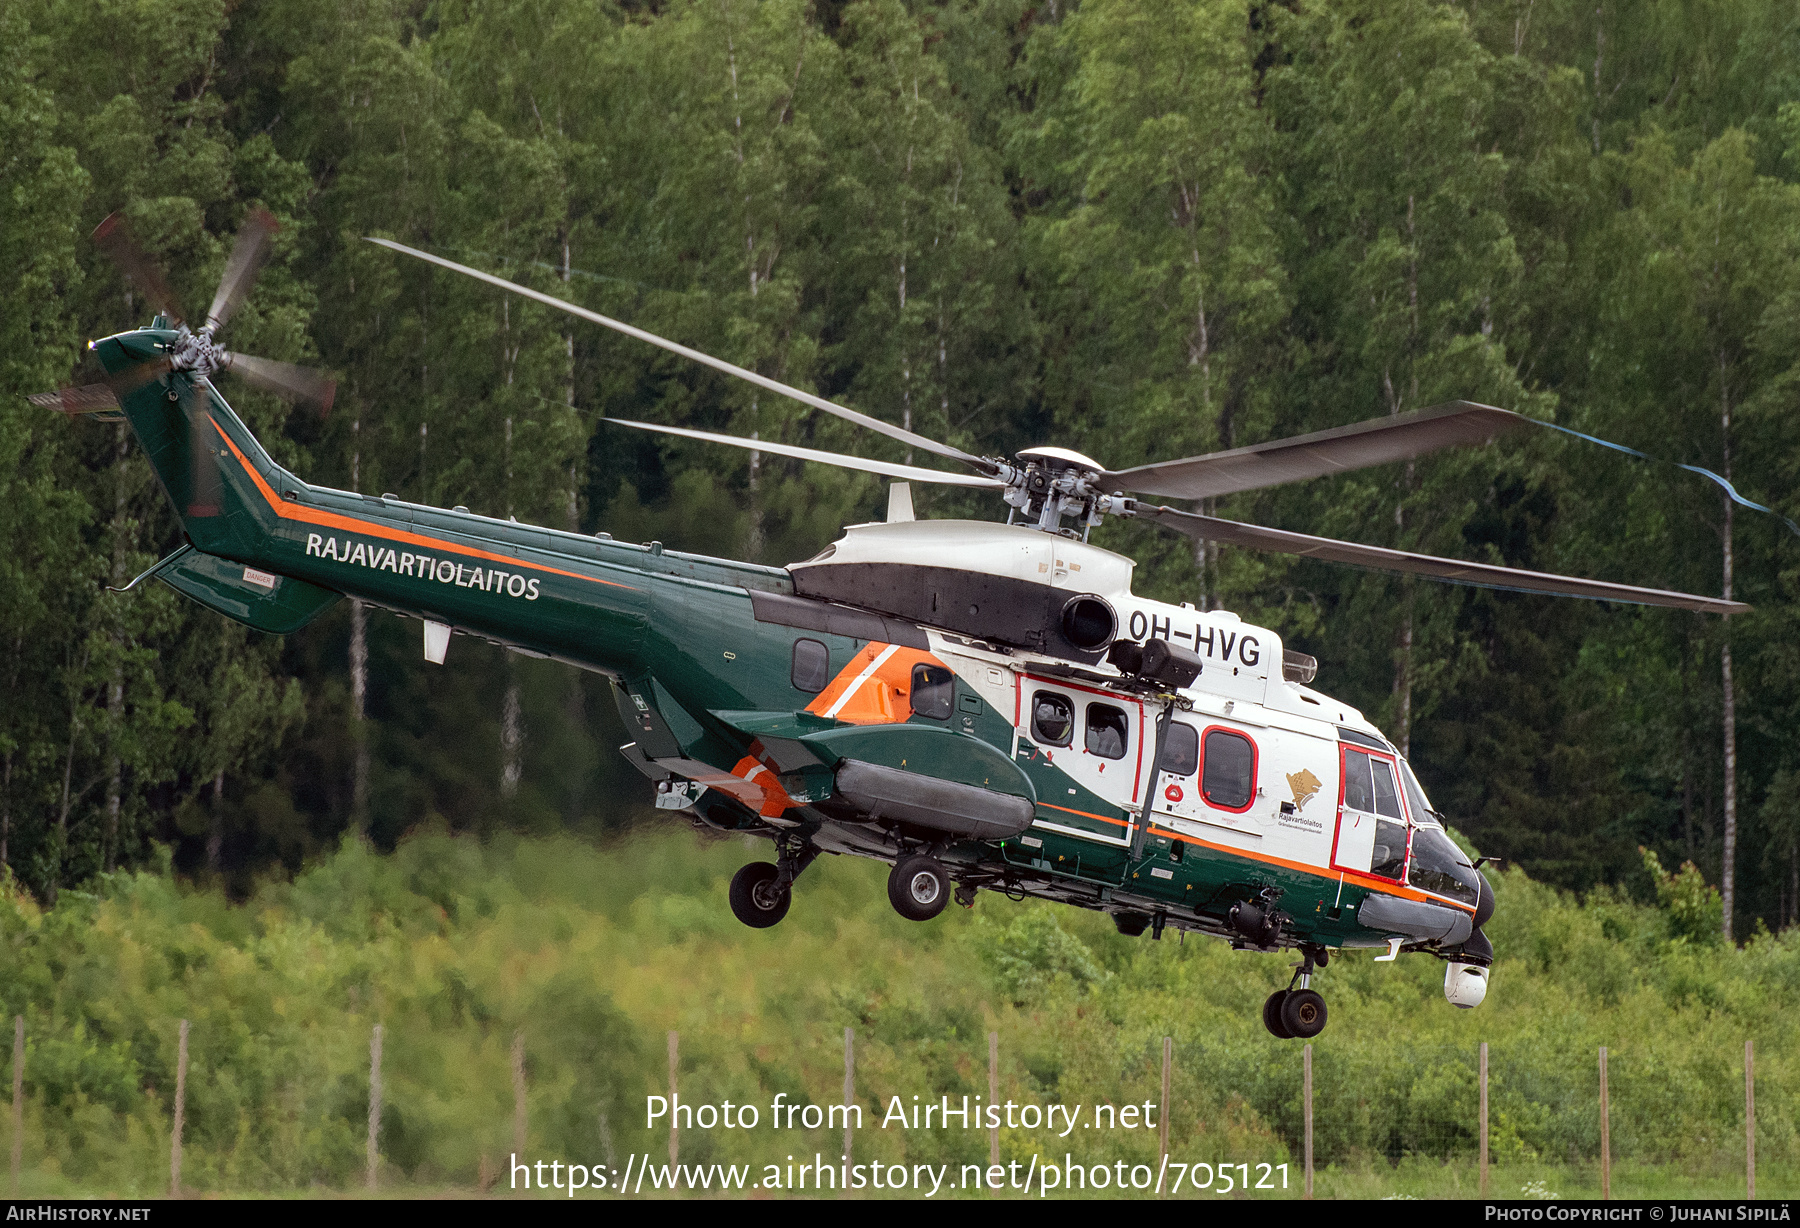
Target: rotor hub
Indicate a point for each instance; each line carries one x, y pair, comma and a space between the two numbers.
1051, 485
196, 352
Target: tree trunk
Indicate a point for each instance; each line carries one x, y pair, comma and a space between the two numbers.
575, 712
574, 508
115, 696
512, 733
359, 668
359, 730
1728, 872
5, 809
215, 835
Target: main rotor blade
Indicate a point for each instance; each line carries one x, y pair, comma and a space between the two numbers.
284, 379
247, 256
114, 237
1480, 575
717, 364
908, 472
1338, 450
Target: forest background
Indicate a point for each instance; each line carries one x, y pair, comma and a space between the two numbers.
1142, 231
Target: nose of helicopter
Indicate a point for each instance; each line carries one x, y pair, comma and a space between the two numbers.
1484, 907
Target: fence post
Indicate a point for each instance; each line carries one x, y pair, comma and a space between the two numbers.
374, 1103
1306, 1066
518, 1073
180, 1113
18, 1106
1162, 1139
1749, 1119
993, 1095
674, 1130
1605, 1133
849, 1085
1484, 1119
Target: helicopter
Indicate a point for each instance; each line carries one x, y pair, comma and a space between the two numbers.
982, 706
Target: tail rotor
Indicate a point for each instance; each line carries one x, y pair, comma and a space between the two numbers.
192, 358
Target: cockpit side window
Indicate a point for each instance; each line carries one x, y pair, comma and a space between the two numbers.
1052, 719
1416, 800
1390, 849
1387, 797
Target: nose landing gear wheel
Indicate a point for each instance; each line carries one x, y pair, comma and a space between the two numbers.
1272, 1015
757, 899
1303, 1014
918, 887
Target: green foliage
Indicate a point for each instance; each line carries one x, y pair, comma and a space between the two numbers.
593, 953
1142, 233
1034, 954
1693, 905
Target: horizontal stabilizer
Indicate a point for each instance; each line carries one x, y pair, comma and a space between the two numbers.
277, 604
88, 399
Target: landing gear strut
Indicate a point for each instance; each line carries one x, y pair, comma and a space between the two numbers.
1298, 1013
761, 893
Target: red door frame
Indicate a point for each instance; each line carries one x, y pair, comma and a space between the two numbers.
1344, 748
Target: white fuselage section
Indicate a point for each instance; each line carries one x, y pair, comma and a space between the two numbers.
1273, 788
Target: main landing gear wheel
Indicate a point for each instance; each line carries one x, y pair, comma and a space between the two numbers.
1303, 1014
919, 887
1272, 1015
757, 898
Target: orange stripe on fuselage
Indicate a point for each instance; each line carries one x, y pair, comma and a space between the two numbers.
1382, 885
350, 524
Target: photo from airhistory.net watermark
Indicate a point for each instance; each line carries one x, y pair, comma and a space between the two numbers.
814, 1172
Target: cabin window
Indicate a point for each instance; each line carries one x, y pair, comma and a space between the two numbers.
1181, 753
1229, 781
1108, 731
1389, 857
1359, 794
1052, 719
812, 666
933, 689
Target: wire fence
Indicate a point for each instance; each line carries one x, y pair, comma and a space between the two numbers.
1286, 1121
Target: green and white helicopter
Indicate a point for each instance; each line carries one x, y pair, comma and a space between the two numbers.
983, 706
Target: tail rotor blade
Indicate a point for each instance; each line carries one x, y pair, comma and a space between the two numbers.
87, 399
114, 237
124, 383
284, 379
247, 257
203, 461
104, 396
